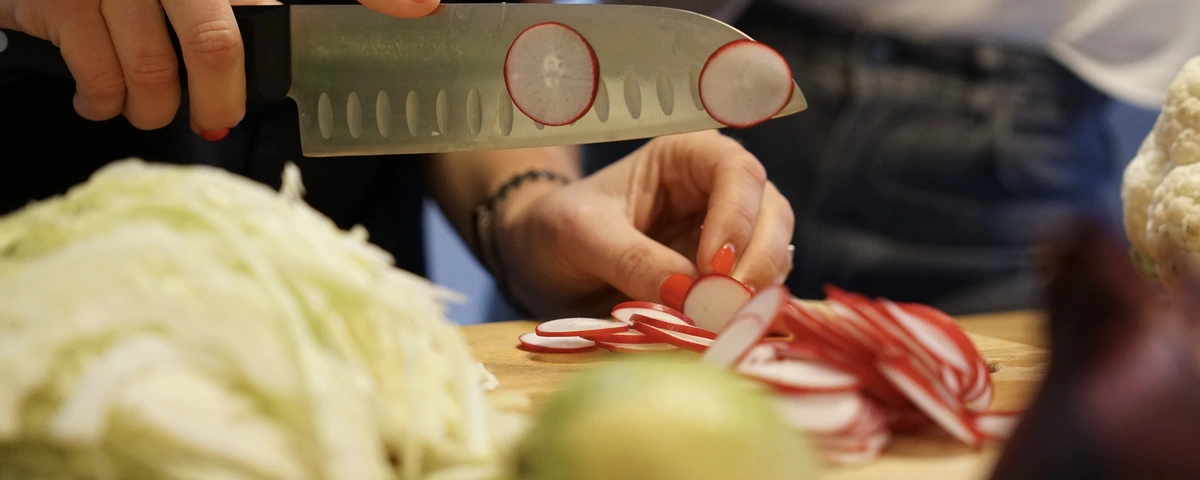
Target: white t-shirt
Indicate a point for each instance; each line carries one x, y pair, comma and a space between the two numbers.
1131, 49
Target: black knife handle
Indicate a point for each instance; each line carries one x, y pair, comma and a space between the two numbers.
266, 35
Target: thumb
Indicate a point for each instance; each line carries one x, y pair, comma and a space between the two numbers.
402, 8
631, 262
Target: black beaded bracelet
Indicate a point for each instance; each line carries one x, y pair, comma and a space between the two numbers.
484, 221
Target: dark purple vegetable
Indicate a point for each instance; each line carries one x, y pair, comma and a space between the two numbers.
1121, 399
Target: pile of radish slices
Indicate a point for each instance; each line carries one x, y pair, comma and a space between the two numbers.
848, 371
552, 75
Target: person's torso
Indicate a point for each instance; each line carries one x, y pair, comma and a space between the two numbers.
1131, 49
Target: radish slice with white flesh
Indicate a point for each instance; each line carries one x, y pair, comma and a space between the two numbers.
798, 376
624, 313
533, 342
932, 337
673, 326
713, 299
823, 413
551, 74
997, 425
632, 336
681, 340
923, 394
749, 325
870, 450
579, 327
636, 347
745, 83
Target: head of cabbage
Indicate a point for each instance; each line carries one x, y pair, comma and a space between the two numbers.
182, 322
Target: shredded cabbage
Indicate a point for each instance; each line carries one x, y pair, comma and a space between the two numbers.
181, 322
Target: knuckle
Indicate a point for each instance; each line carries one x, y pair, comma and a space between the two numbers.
151, 70
751, 168
107, 83
216, 41
633, 264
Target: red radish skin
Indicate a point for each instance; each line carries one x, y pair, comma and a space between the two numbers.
749, 325
745, 83
532, 342
624, 313
551, 74
722, 262
950, 417
674, 290
636, 347
579, 327
713, 299
681, 340
825, 413
798, 376
672, 326
631, 336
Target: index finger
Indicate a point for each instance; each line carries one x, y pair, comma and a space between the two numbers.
402, 8
212, 51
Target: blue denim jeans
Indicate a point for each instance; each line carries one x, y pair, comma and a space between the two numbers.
926, 173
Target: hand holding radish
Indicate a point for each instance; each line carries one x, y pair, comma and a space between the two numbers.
624, 230
121, 56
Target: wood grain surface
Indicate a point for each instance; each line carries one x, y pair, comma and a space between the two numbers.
1012, 343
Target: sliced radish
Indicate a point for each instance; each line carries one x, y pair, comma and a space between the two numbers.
933, 338
924, 395
632, 336
551, 74
673, 326
749, 325
624, 313
681, 340
713, 299
745, 83
674, 290
870, 449
825, 413
636, 347
722, 262
534, 343
997, 425
798, 376
579, 327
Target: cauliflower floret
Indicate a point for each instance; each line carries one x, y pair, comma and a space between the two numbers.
1161, 186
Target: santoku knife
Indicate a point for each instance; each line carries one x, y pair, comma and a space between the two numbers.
368, 84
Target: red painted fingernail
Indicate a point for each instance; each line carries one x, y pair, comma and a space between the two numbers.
674, 290
722, 262
215, 135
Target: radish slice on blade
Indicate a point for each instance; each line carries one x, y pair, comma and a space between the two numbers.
745, 83
579, 327
534, 343
713, 299
624, 313
551, 74
749, 325
681, 340
672, 326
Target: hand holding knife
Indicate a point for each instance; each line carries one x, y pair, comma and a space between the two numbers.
367, 83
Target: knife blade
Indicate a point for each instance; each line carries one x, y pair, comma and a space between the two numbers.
369, 84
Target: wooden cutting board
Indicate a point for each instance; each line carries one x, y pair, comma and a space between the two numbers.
1017, 372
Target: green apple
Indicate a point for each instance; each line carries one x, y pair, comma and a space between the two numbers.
662, 420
